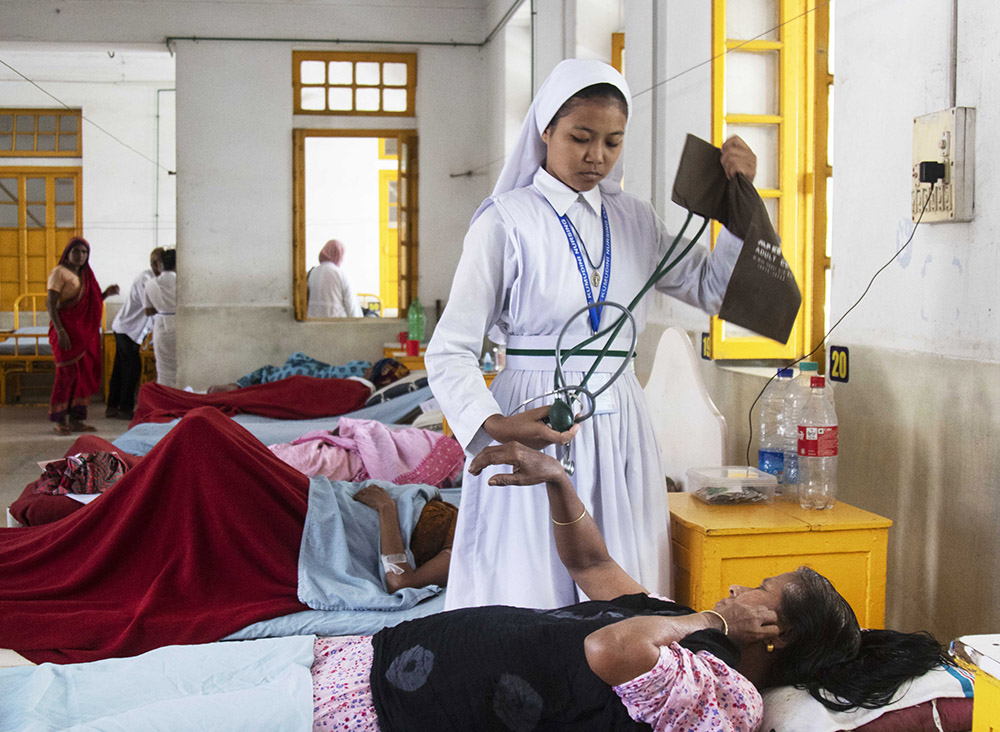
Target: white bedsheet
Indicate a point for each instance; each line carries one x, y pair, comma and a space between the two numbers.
215, 687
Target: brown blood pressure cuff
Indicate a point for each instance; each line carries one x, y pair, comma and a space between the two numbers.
762, 294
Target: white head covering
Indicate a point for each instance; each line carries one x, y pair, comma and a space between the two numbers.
566, 79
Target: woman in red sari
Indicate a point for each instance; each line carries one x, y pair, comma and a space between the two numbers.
75, 304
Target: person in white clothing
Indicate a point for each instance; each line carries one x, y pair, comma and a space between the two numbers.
330, 292
518, 281
161, 301
130, 326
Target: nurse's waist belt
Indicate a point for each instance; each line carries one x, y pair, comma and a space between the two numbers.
537, 353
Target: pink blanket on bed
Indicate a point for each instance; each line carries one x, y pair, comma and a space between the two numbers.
364, 449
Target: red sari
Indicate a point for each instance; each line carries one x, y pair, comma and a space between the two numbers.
78, 368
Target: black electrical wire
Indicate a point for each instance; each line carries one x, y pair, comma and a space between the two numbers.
827, 334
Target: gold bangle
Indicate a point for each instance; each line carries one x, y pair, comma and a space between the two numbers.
725, 625
569, 523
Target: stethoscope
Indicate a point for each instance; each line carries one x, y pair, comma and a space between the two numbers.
567, 396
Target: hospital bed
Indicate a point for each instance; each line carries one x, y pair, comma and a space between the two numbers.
26, 349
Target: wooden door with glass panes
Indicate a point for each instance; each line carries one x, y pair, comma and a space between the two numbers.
39, 213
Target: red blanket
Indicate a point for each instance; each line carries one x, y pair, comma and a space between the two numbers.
297, 397
33, 509
198, 540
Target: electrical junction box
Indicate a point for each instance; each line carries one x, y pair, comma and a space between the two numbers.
945, 137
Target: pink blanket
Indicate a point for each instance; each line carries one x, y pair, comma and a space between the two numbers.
364, 449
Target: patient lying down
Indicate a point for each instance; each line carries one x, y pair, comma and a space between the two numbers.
201, 539
621, 661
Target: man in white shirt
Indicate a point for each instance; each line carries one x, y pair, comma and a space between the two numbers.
130, 327
161, 301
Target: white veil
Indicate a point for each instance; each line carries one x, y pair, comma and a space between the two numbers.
566, 79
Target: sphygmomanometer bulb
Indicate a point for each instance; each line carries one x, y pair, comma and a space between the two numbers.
561, 416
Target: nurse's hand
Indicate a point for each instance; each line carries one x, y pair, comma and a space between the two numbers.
528, 428
737, 157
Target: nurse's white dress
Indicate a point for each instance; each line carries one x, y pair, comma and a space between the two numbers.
518, 281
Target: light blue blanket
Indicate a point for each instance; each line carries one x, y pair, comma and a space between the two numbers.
339, 564
143, 437
215, 687
345, 622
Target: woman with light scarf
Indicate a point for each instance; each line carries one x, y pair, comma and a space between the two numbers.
537, 251
330, 292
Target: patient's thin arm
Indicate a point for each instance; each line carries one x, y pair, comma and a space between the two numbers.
432, 572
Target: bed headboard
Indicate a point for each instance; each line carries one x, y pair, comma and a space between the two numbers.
690, 430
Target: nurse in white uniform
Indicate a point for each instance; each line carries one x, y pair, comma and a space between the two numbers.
559, 232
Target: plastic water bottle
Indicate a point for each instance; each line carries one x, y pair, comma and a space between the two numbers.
795, 399
817, 448
487, 364
415, 320
771, 439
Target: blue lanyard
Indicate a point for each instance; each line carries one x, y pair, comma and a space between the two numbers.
595, 313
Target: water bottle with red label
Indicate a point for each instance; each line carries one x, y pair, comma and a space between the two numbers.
817, 448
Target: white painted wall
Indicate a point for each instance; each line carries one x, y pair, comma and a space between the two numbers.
234, 203
118, 92
922, 409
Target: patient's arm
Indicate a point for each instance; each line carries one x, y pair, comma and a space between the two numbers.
432, 572
579, 542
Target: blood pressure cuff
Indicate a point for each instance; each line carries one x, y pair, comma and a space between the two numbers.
762, 294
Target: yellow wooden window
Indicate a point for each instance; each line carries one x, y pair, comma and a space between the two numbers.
344, 83
770, 86
39, 213
397, 212
40, 133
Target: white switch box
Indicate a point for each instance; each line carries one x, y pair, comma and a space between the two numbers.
945, 137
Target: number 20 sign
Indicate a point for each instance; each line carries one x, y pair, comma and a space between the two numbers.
840, 363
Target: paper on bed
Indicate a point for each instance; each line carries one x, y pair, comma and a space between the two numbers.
215, 687
339, 565
787, 709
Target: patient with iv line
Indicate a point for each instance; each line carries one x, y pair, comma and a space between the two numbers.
539, 250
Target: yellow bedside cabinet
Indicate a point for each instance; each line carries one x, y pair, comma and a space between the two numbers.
718, 546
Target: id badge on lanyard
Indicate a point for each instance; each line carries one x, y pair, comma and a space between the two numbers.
595, 313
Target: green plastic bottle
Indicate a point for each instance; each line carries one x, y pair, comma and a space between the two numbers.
415, 318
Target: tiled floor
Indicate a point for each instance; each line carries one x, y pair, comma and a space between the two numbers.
26, 437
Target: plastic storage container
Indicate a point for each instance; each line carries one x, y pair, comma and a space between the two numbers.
415, 320
817, 448
732, 485
772, 435
795, 399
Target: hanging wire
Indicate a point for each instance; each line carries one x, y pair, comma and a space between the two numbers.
827, 334
87, 119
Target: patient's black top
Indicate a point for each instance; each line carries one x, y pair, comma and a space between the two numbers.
509, 669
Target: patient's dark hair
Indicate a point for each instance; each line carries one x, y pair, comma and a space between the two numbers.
840, 665
606, 92
169, 260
